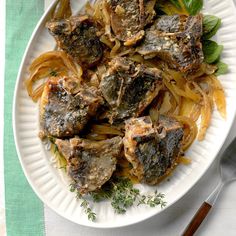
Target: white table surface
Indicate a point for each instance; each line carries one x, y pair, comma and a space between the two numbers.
221, 220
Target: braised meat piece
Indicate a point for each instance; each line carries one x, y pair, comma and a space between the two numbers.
128, 18
177, 40
65, 109
129, 88
77, 37
90, 163
152, 149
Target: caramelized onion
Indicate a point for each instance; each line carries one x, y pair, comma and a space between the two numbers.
191, 95
106, 19
106, 129
106, 41
218, 95
37, 93
89, 10
171, 89
205, 69
53, 63
96, 137
63, 10
154, 114
101, 71
137, 58
184, 160
166, 104
206, 112
115, 49
150, 5
190, 131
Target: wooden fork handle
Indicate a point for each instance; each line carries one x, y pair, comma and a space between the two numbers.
197, 219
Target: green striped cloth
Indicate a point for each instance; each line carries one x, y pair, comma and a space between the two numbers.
24, 211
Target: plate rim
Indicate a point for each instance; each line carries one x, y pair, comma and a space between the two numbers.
37, 192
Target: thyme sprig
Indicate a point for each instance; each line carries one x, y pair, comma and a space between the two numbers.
122, 195
84, 203
88, 210
153, 200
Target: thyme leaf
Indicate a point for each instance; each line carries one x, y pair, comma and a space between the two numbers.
86, 207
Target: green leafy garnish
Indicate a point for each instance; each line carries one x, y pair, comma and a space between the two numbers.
176, 3
84, 204
122, 195
72, 188
88, 210
222, 68
153, 200
211, 24
193, 6
171, 7
212, 51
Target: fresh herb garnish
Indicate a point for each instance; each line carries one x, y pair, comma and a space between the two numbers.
88, 210
72, 187
84, 204
176, 3
153, 200
193, 6
122, 195
211, 24
190, 7
222, 68
211, 50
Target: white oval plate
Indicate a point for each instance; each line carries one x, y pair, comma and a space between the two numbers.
48, 181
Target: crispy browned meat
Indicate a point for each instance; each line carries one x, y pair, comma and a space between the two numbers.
129, 87
128, 18
152, 149
90, 163
77, 36
175, 39
64, 114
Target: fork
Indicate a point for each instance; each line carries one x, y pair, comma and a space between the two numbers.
228, 174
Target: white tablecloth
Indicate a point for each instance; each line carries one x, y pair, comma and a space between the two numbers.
221, 220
